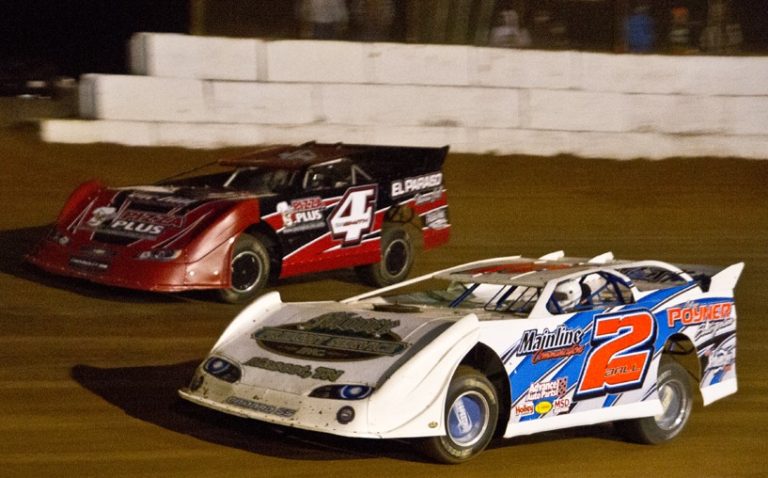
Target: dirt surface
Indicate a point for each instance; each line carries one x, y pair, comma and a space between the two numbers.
89, 373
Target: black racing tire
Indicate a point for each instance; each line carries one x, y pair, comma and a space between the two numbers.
396, 258
249, 269
471, 413
677, 399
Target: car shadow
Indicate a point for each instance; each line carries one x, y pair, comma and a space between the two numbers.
150, 394
347, 276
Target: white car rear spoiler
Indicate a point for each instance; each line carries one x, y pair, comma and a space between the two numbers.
714, 277
727, 278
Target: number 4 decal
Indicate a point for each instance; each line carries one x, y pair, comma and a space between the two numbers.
622, 349
353, 216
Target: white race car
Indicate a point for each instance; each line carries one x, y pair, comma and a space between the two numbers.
508, 346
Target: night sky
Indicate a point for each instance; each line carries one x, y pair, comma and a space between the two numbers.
82, 36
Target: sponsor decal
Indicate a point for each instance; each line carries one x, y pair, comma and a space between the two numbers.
555, 388
302, 371
543, 407
142, 224
84, 263
436, 219
302, 214
543, 393
135, 229
101, 215
429, 196
524, 409
346, 322
714, 328
693, 314
334, 336
132, 223
721, 358
138, 196
558, 343
260, 407
416, 184
561, 405
152, 218
93, 258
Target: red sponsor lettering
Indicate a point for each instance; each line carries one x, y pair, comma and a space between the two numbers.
131, 215
540, 355
524, 409
306, 204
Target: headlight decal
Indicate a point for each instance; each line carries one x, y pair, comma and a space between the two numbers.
342, 392
222, 369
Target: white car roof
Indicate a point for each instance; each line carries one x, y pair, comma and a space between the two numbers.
530, 272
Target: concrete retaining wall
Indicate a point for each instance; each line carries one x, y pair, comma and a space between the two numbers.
212, 92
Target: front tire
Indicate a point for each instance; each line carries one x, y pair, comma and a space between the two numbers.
677, 400
471, 413
248, 268
396, 258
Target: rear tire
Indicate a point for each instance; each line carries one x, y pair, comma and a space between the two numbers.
396, 258
249, 270
471, 413
675, 394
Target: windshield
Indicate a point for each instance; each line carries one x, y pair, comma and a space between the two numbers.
516, 300
254, 179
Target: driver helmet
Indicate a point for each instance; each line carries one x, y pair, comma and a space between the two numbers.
567, 294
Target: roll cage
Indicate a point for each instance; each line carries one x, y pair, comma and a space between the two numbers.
599, 289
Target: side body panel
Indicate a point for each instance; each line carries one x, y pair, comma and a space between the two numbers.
601, 365
341, 227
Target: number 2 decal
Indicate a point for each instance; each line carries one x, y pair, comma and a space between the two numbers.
353, 216
622, 349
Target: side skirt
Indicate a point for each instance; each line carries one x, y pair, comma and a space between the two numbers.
623, 412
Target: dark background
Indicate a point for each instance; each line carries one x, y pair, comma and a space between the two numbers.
81, 36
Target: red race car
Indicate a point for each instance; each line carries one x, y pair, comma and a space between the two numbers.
273, 213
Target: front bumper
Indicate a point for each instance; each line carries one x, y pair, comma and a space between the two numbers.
122, 270
281, 408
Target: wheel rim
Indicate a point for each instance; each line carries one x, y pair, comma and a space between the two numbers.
468, 418
396, 257
674, 402
246, 271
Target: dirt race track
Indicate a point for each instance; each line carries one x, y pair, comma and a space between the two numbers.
89, 373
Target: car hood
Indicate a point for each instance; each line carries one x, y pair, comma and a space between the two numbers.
151, 216
300, 347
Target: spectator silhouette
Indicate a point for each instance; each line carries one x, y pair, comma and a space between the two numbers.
372, 19
640, 30
679, 36
722, 34
508, 33
322, 19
